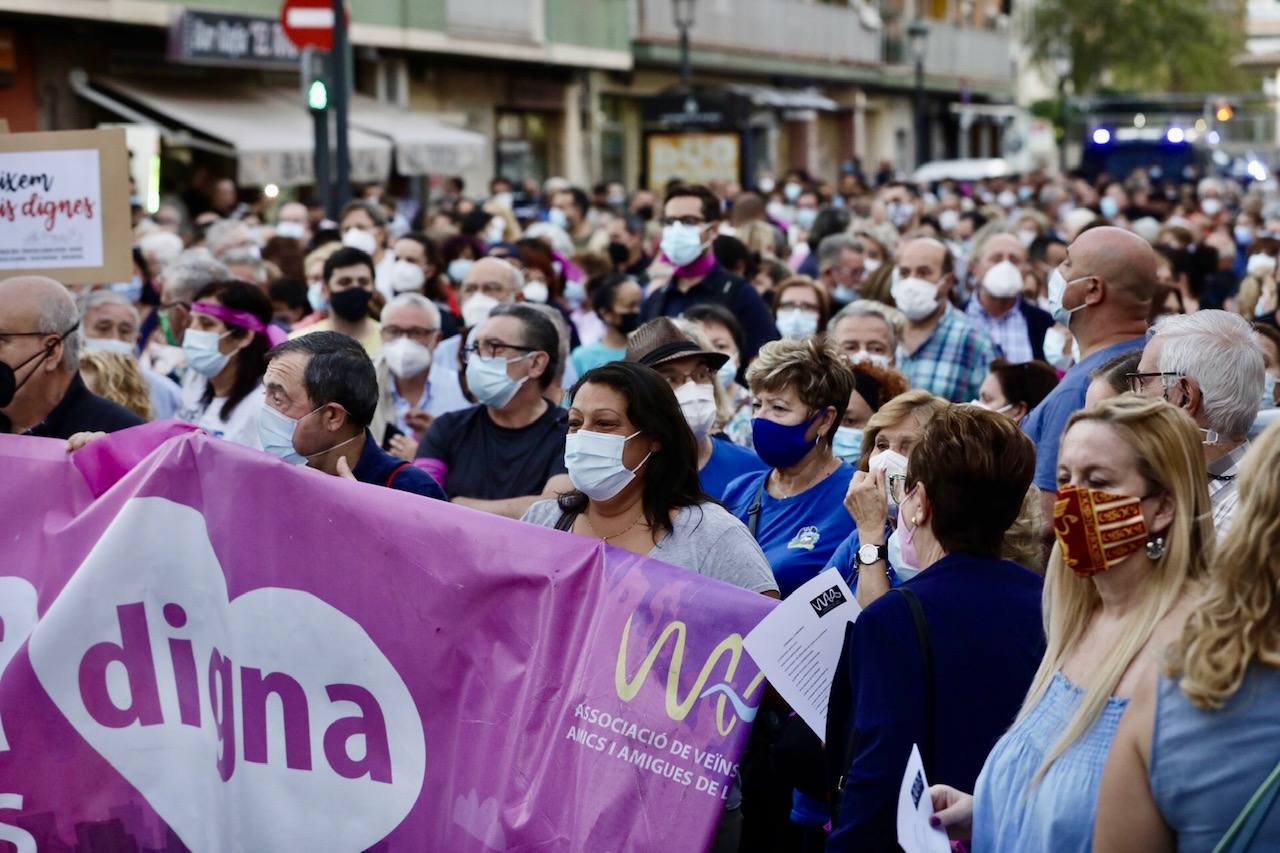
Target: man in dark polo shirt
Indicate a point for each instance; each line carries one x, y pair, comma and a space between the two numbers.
508, 452
689, 219
41, 392
321, 394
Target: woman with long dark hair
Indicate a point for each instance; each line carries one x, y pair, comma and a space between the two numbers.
634, 466
226, 346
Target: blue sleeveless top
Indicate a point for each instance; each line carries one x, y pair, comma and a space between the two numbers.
1205, 765
1010, 814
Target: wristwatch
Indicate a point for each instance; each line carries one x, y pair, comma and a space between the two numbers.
871, 554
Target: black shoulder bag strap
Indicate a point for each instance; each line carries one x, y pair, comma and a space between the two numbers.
753, 511
930, 689
565, 524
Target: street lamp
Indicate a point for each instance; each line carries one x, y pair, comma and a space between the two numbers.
1060, 58
917, 35
683, 10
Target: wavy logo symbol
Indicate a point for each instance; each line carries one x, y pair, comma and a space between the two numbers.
678, 708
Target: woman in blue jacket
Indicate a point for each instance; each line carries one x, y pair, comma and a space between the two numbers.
944, 661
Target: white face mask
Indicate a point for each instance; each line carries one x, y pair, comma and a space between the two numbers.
358, 238
796, 324
535, 291
292, 230
728, 373
1260, 264
406, 276
698, 403
406, 357
476, 309
949, 219
1056, 351
682, 244
1027, 237
109, 345
862, 356
1003, 281
870, 265
915, 297
496, 229
1211, 206
594, 463
1057, 292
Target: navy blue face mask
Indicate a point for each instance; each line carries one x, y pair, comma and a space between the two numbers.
782, 445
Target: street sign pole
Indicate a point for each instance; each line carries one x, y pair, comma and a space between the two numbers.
315, 94
338, 67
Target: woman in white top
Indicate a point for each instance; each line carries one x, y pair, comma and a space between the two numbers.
226, 345
633, 463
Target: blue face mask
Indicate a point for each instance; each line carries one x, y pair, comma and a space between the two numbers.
1268, 399
488, 380
458, 269
781, 445
275, 432
575, 292
848, 444
315, 297
201, 349
728, 373
844, 294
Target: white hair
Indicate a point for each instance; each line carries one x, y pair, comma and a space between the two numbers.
191, 271
220, 234
411, 300
871, 308
553, 235
1217, 350
160, 248
59, 313
98, 298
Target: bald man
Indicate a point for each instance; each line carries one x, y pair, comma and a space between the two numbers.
1102, 293
1016, 327
41, 392
942, 351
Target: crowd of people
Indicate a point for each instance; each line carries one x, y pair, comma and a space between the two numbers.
1029, 420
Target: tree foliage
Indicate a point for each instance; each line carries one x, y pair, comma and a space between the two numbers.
1144, 45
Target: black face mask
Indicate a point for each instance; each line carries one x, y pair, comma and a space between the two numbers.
350, 304
619, 254
9, 384
645, 212
628, 323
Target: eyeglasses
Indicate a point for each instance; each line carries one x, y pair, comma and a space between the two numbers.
169, 306
413, 333
799, 306
683, 220
1138, 381
702, 375
897, 484
491, 348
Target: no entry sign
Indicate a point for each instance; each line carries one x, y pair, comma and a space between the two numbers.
309, 23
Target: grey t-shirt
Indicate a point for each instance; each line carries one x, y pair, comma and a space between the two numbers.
706, 539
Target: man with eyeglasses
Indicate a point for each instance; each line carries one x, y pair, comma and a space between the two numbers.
1209, 365
411, 393
41, 392
1102, 292
690, 217
506, 453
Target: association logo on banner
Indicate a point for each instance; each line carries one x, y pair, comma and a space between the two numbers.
272, 711
677, 706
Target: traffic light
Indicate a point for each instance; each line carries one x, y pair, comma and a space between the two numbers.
1224, 112
318, 95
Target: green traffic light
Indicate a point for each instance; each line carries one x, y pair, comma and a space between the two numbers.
318, 95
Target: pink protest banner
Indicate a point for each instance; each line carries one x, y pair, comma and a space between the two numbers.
204, 648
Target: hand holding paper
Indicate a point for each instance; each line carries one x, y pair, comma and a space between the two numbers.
915, 807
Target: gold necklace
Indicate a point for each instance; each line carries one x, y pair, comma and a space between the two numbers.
627, 529
822, 475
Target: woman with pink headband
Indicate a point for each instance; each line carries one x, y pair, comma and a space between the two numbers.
226, 346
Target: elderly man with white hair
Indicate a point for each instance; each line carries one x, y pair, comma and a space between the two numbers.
1015, 326
866, 330
159, 249
229, 237
179, 283
1209, 365
110, 324
411, 394
41, 392
489, 283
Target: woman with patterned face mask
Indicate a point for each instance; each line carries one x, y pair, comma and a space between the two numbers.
635, 483
1134, 535
680, 353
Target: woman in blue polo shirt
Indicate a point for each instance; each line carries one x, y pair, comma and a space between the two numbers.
677, 350
799, 392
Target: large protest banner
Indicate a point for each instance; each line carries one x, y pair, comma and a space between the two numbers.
204, 648
64, 206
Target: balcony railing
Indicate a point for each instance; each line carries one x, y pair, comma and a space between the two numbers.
519, 21
789, 28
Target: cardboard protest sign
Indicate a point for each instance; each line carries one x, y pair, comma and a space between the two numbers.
64, 206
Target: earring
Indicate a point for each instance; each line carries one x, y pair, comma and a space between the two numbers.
1155, 547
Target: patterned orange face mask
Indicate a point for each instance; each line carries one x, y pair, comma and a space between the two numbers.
1096, 529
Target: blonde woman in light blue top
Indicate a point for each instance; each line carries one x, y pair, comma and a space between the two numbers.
1202, 738
1106, 631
